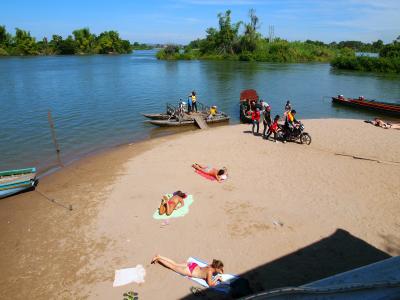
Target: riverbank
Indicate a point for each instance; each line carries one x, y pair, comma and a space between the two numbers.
367, 64
277, 52
48, 251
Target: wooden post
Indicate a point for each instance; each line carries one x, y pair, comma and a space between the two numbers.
53, 135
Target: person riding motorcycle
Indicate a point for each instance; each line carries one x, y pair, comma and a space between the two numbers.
290, 123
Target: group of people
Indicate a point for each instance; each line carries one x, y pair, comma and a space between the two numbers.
262, 111
192, 106
209, 273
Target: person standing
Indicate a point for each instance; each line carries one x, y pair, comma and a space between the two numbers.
255, 118
194, 101
189, 103
288, 108
267, 119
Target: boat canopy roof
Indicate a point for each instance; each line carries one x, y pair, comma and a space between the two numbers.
249, 95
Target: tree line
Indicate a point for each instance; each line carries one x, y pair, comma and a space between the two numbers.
243, 41
388, 60
81, 41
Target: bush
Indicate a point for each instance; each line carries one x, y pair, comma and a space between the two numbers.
169, 52
369, 64
3, 52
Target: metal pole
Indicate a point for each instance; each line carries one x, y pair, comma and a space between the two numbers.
53, 135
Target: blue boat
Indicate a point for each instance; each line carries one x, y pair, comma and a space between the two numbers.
15, 181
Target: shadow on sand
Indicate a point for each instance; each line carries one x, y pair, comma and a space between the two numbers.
334, 254
255, 134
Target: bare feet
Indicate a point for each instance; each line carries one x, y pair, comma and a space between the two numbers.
155, 259
164, 199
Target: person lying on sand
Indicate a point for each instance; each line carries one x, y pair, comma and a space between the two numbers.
220, 174
192, 269
168, 205
379, 123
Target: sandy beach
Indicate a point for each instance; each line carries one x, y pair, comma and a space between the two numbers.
287, 215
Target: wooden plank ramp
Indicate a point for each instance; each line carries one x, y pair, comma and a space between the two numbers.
198, 119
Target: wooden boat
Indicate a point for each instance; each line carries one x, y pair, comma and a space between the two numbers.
187, 120
15, 181
161, 116
180, 117
170, 112
372, 105
247, 96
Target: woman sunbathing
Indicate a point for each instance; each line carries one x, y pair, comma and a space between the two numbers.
379, 123
220, 174
168, 205
192, 269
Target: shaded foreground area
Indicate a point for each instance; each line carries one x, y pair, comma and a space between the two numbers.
336, 213
337, 253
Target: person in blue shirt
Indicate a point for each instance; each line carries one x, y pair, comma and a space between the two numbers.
190, 103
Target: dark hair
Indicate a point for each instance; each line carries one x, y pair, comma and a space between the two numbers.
194, 93
217, 264
293, 111
180, 194
221, 172
277, 117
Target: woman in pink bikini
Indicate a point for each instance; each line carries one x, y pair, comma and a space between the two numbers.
168, 205
220, 174
192, 269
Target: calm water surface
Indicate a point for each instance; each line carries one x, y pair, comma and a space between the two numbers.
97, 101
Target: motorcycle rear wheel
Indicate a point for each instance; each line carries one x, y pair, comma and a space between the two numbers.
305, 138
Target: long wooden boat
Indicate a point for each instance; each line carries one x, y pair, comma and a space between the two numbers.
157, 116
186, 122
15, 181
372, 105
245, 97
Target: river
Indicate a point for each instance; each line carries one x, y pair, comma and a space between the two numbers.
97, 101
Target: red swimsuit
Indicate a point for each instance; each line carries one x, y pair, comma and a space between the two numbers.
191, 266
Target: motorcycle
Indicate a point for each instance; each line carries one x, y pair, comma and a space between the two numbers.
296, 134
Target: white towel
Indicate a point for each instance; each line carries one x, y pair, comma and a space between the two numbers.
125, 276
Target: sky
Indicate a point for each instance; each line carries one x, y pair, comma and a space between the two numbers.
180, 21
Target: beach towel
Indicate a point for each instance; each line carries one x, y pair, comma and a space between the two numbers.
176, 213
125, 276
223, 287
205, 175
210, 177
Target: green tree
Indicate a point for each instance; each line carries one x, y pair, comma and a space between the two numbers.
5, 37
228, 33
24, 43
390, 50
84, 41
44, 47
5, 41
110, 42
251, 36
55, 43
377, 46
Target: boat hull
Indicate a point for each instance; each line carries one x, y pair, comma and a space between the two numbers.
16, 181
16, 190
381, 107
175, 123
157, 116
